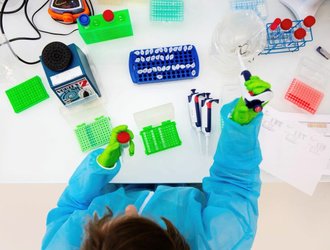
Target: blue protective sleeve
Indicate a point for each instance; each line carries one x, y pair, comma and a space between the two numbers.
233, 187
85, 184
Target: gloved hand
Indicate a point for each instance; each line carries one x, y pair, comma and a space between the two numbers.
242, 114
112, 152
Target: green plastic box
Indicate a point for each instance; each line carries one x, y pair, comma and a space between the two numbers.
100, 30
94, 134
160, 138
27, 94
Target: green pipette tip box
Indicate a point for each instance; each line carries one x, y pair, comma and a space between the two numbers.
27, 94
166, 10
99, 30
160, 138
94, 134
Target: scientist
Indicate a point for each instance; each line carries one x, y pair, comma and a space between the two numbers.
93, 214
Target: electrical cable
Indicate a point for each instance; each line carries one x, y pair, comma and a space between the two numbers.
45, 31
8, 41
34, 26
14, 11
90, 6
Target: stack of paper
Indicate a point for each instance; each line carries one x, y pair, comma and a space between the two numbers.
293, 152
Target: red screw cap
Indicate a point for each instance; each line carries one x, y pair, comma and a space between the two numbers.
309, 21
108, 15
258, 109
299, 33
275, 24
286, 24
123, 137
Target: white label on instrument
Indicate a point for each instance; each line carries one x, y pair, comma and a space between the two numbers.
66, 76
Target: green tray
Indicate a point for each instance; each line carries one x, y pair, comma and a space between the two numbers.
160, 138
27, 94
94, 134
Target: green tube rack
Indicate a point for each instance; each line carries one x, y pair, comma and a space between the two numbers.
27, 94
99, 30
160, 138
94, 134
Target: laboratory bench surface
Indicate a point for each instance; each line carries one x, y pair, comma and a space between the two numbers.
39, 144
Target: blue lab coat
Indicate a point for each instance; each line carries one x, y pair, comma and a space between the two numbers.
222, 216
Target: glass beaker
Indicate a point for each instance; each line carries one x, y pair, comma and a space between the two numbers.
240, 31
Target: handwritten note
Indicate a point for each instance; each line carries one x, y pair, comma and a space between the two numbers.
292, 152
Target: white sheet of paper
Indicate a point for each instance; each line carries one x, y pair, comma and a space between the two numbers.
292, 152
319, 123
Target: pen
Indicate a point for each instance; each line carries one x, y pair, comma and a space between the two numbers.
323, 52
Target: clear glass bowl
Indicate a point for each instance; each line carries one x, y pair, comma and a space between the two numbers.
240, 31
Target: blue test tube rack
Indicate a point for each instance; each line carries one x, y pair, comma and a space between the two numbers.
281, 41
163, 64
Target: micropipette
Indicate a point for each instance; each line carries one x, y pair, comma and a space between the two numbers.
207, 119
194, 103
252, 101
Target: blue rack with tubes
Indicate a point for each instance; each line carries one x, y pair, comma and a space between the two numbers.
163, 64
282, 41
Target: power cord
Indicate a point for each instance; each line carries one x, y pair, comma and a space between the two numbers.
32, 23
49, 32
14, 11
26, 38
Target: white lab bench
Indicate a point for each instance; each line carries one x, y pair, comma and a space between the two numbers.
39, 144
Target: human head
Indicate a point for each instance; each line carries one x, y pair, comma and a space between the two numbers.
131, 232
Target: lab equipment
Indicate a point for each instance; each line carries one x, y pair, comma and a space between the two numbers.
286, 24
243, 114
110, 156
304, 96
200, 111
107, 26
69, 74
159, 138
194, 103
239, 29
67, 11
27, 94
257, 96
154, 116
109, 1
275, 24
259, 6
308, 85
206, 113
166, 10
323, 52
94, 134
163, 64
288, 36
255, 93
254, 100
302, 8
125, 139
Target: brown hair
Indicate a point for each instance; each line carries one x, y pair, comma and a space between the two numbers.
131, 233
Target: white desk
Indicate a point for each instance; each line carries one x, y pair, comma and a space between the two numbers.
39, 145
